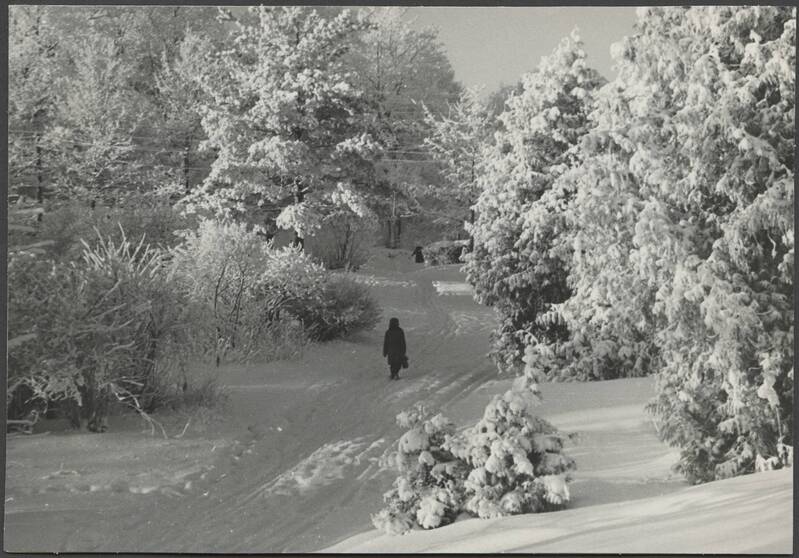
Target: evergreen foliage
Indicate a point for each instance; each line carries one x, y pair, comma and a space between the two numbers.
510, 462
655, 235
285, 120
690, 274
428, 490
516, 266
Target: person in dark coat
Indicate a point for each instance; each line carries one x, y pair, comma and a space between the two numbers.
394, 347
418, 254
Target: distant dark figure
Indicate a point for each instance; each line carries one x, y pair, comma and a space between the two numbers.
394, 347
417, 254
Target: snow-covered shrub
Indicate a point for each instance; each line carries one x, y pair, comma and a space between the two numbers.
518, 265
219, 265
344, 306
257, 297
428, 490
510, 462
444, 252
328, 305
514, 458
342, 241
95, 330
151, 218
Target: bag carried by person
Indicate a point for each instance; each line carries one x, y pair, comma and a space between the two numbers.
404, 362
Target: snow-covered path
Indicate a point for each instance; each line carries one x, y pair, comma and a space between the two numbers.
302, 473
318, 425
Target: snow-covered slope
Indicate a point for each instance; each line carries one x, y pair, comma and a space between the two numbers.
749, 514
625, 498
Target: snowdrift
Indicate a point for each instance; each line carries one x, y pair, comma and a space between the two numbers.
749, 514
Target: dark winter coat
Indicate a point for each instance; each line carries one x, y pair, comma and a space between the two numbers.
394, 342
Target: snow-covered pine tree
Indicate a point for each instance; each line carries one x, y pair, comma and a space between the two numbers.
510, 462
726, 289
514, 458
514, 266
682, 255
285, 119
608, 313
399, 65
429, 489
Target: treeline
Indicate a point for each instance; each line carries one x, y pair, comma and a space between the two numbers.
228, 105
153, 152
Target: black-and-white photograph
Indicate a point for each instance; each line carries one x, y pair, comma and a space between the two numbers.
400, 279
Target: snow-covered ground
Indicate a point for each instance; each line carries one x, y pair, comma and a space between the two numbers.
750, 514
293, 466
624, 496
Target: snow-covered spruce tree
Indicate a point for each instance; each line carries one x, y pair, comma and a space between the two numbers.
428, 490
510, 462
608, 313
514, 266
514, 458
726, 383
683, 253
285, 120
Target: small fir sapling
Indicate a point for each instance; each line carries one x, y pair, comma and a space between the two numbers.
515, 459
428, 491
510, 462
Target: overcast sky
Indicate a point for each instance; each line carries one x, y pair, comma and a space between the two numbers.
490, 46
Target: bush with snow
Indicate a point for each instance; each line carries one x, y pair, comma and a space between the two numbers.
510, 462
343, 306
514, 459
444, 252
260, 300
108, 327
428, 490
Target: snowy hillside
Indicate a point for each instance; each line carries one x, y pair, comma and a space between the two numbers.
749, 514
624, 496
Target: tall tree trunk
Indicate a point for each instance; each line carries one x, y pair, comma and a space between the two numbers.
39, 175
394, 230
299, 197
471, 211
471, 236
186, 184
36, 117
